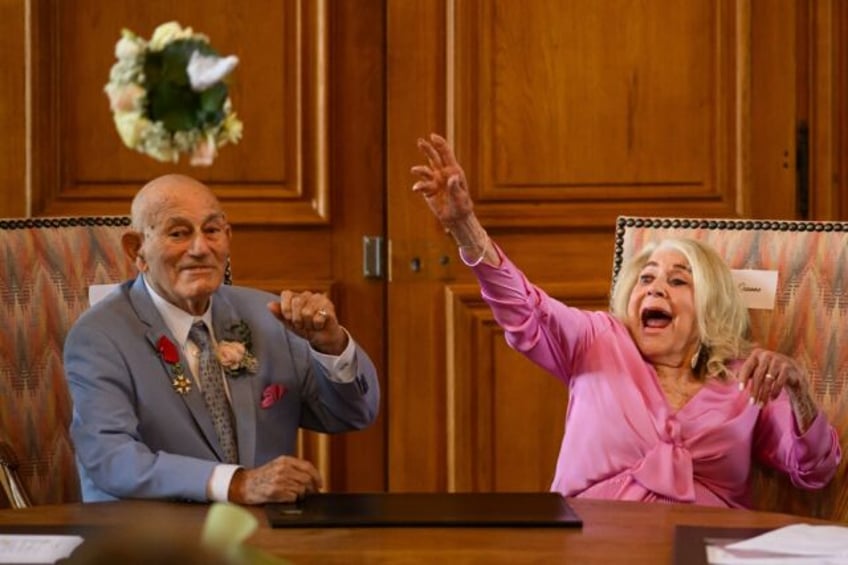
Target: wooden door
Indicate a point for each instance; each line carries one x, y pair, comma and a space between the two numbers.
564, 115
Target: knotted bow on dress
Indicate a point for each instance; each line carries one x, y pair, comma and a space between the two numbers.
667, 468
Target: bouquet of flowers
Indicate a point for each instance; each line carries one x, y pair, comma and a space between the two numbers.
168, 95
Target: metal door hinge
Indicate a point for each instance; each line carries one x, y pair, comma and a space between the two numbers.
373, 258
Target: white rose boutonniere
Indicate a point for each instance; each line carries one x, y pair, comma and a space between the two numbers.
235, 355
169, 95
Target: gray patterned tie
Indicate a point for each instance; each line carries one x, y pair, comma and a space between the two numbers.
213, 391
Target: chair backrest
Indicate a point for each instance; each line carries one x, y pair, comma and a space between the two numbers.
46, 268
809, 320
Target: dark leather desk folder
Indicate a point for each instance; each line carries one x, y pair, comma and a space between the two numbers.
472, 509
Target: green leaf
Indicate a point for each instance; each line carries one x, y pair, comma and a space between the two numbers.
170, 98
174, 105
211, 111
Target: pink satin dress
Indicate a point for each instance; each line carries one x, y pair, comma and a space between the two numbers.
622, 439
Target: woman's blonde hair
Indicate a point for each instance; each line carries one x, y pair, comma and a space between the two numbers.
723, 322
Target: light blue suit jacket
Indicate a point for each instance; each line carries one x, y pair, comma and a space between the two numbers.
135, 436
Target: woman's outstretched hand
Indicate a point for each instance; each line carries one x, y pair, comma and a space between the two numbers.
442, 182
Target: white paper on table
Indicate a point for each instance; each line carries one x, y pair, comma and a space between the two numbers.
798, 544
36, 548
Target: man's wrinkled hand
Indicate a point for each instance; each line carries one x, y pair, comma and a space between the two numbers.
312, 316
284, 479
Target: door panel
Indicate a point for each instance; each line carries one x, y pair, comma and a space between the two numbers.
551, 106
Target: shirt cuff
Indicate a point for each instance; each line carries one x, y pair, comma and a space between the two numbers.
340, 368
219, 482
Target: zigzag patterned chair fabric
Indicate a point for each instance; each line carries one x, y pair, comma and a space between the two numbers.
809, 321
46, 268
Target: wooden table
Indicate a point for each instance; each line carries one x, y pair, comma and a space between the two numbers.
613, 532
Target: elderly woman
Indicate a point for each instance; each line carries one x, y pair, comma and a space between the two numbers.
668, 399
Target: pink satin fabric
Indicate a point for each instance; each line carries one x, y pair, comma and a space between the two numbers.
622, 439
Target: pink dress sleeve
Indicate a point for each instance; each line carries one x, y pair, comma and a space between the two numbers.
809, 459
545, 330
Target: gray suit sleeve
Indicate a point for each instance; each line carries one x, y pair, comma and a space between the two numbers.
105, 428
333, 407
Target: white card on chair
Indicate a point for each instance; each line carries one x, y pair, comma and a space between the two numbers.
97, 291
758, 288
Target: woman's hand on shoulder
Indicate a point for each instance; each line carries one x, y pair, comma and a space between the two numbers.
765, 373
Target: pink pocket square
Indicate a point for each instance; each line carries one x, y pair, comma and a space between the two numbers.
272, 394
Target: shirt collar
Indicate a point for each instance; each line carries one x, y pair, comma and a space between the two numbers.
177, 320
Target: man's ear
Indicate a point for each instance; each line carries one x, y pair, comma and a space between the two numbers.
131, 242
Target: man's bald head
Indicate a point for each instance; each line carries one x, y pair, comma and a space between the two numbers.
162, 193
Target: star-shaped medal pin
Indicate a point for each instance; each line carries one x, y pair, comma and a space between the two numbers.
181, 384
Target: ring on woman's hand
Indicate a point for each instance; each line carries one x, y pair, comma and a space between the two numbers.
322, 312
769, 376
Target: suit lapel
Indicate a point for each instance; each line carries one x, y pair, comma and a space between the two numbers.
149, 315
243, 395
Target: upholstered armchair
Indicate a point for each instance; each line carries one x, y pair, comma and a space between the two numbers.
808, 320
46, 268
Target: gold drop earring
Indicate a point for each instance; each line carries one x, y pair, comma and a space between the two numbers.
696, 357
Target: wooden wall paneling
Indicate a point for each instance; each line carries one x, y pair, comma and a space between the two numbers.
774, 110
828, 48
468, 391
45, 158
557, 256
13, 109
840, 185
357, 121
550, 106
277, 174
415, 106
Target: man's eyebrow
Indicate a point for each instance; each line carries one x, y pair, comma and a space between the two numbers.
215, 217
181, 220
175, 221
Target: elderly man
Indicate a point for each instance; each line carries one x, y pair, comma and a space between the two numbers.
185, 388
